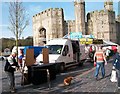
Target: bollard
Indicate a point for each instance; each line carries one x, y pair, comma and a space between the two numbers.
48, 78
113, 75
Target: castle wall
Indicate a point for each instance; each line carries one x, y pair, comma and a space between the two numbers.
112, 26
52, 21
102, 25
118, 29
71, 26
65, 28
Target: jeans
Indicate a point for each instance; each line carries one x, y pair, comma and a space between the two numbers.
11, 79
98, 66
118, 71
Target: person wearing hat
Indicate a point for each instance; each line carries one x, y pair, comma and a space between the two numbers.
10, 67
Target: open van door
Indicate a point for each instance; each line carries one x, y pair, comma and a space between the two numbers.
76, 51
67, 54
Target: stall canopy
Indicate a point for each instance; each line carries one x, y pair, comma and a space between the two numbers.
109, 43
77, 35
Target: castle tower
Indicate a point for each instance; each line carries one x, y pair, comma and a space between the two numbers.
47, 25
108, 5
80, 16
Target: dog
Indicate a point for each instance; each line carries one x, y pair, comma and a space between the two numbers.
67, 80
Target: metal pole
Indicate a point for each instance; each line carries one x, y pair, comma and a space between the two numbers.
48, 78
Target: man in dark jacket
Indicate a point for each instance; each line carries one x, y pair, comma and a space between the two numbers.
10, 67
116, 63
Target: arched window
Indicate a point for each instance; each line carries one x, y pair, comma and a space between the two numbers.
42, 32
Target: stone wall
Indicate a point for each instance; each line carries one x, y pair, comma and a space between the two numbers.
51, 20
102, 25
71, 26
118, 29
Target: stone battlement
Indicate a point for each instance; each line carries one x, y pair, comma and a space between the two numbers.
108, 3
79, 2
70, 21
48, 11
103, 12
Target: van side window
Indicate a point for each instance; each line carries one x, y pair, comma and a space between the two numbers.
66, 50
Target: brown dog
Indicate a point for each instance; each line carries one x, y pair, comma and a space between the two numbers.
67, 80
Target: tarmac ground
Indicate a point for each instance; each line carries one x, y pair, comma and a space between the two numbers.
82, 83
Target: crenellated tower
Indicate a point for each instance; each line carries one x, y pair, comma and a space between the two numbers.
80, 16
108, 5
47, 25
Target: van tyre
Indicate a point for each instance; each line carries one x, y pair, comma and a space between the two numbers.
62, 67
81, 63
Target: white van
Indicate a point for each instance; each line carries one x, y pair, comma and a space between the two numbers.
64, 52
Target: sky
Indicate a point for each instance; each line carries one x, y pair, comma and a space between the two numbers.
33, 8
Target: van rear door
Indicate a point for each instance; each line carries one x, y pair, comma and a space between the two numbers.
67, 53
76, 51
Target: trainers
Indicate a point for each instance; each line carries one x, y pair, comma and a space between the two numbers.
96, 78
13, 91
103, 77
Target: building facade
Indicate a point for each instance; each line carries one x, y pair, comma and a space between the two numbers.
50, 23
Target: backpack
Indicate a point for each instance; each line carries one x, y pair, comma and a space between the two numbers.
117, 62
8, 67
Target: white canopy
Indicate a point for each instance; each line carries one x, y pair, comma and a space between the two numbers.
109, 43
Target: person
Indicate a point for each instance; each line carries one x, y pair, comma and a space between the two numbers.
20, 58
10, 66
107, 53
92, 51
99, 60
87, 51
116, 63
24, 79
114, 48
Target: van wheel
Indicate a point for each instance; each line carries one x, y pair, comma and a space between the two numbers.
62, 67
81, 63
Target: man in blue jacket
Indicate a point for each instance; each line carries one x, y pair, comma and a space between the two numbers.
116, 63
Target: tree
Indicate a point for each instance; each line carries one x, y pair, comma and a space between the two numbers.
18, 19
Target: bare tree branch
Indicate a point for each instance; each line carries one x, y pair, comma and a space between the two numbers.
17, 18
